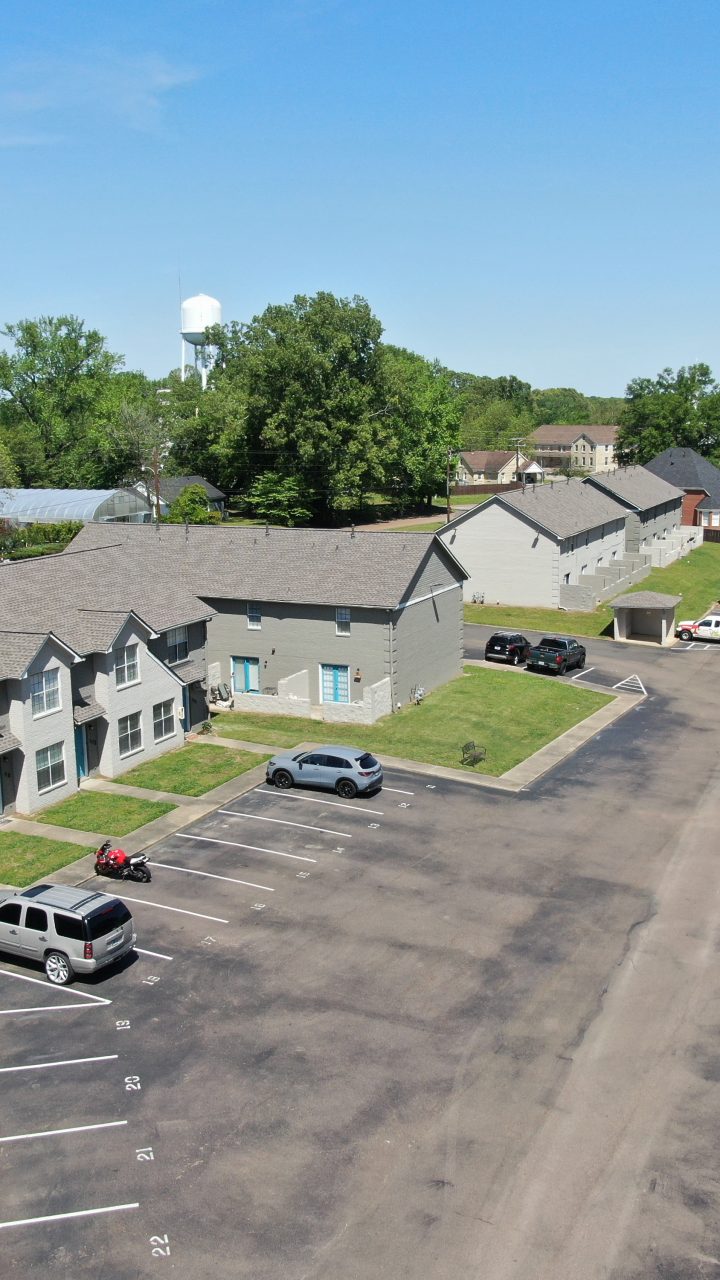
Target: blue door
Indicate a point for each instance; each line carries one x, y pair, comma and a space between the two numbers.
80, 751
246, 675
186, 708
335, 683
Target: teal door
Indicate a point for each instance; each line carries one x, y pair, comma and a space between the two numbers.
246, 675
80, 751
335, 683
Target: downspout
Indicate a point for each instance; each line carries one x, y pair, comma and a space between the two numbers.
393, 708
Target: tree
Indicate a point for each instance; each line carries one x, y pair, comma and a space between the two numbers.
51, 384
140, 446
310, 374
560, 405
674, 409
278, 499
191, 507
422, 417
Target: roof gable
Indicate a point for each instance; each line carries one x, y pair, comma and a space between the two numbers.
562, 508
636, 487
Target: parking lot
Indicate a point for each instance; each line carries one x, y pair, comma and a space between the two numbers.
349, 1022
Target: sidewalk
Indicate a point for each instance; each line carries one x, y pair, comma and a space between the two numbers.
190, 808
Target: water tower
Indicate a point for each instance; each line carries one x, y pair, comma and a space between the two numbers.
196, 315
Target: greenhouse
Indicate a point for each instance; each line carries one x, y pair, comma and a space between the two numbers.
50, 506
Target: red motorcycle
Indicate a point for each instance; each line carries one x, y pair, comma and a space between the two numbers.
121, 865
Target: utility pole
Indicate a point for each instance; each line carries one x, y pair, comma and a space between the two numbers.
517, 442
448, 513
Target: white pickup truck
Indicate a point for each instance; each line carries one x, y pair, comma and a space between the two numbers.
708, 628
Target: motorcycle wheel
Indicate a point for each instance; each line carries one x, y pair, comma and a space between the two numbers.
145, 875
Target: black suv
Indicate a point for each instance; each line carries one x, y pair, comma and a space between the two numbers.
507, 646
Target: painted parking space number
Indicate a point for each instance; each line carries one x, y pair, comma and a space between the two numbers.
144, 1153
161, 1246
122, 1024
403, 804
132, 1084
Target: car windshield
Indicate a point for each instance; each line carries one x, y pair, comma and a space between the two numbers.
105, 919
367, 761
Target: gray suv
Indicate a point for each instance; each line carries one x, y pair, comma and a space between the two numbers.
345, 770
69, 931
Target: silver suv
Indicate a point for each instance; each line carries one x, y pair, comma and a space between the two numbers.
345, 770
69, 931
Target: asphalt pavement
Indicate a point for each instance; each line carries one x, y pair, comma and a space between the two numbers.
434, 1034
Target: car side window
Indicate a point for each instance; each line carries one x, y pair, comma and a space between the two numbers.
35, 919
336, 762
68, 926
313, 758
10, 913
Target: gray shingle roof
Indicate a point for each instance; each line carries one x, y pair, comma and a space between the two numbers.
564, 508
689, 470
8, 742
189, 672
17, 650
645, 600
86, 708
85, 599
301, 566
636, 486
487, 459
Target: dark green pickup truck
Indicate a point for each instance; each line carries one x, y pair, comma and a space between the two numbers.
556, 654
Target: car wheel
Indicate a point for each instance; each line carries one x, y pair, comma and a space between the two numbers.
282, 778
517, 659
685, 634
562, 670
57, 968
581, 663
346, 789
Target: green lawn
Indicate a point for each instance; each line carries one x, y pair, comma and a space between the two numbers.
192, 770
512, 715
103, 812
696, 578
27, 858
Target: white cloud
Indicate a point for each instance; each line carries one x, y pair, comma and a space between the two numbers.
100, 86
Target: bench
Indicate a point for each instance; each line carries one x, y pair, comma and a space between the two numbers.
472, 754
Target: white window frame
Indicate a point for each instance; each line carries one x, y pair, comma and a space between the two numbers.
123, 664
254, 616
163, 720
177, 639
54, 782
133, 750
41, 693
343, 621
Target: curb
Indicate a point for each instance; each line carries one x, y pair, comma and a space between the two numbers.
189, 810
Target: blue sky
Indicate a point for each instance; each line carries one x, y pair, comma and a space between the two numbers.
515, 187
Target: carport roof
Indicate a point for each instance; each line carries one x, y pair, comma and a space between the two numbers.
645, 600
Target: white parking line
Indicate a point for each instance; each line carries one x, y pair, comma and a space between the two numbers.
53, 1133
235, 844
585, 672
148, 902
158, 955
285, 822
49, 1008
24, 977
210, 875
65, 1062
397, 791
79, 1213
337, 804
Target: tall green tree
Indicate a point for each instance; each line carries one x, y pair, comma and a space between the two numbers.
310, 373
560, 405
674, 409
422, 418
191, 507
52, 380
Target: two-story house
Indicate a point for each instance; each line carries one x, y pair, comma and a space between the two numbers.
574, 448
87, 684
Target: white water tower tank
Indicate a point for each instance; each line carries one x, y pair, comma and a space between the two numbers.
198, 314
